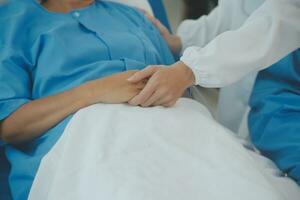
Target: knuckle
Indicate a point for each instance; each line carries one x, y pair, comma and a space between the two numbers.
146, 104
155, 81
167, 105
169, 97
170, 104
140, 84
163, 91
151, 67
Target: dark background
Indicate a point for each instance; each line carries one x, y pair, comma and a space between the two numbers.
197, 8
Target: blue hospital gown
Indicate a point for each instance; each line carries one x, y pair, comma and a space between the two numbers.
43, 53
274, 120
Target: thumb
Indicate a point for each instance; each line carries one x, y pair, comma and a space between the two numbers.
162, 29
143, 74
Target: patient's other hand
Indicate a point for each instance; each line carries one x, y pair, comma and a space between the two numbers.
114, 89
173, 41
165, 85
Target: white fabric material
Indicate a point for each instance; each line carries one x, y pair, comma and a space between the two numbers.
118, 152
233, 103
239, 37
143, 4
243, 131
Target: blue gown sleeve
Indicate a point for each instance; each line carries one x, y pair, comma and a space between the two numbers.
15, 81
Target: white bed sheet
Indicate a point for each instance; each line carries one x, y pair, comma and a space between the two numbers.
118, 152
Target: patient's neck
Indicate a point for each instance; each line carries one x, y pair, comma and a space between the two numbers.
65, 6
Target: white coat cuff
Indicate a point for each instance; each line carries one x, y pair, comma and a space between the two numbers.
190, 59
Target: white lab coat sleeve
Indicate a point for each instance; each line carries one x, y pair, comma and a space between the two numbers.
268, 35
201, 31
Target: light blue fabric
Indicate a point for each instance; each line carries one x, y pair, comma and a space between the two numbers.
274, 120
44, 53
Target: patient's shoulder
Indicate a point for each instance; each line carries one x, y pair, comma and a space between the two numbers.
13, 9
16, 19
14, 13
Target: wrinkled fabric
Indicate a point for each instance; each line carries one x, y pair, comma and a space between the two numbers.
134, 153
239, 37
227, 48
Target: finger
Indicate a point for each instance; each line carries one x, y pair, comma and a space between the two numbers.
140, 85
163, 100
154, 20
162, 29
143, 10
145, 94
155, 97
157, 23
170, 104
143, 74
148, 15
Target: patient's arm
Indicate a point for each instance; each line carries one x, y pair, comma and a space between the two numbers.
33, 119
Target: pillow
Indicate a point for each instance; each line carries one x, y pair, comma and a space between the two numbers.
143, 4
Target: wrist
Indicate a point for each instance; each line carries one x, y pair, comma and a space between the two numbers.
87, 94
189, 77
177, 45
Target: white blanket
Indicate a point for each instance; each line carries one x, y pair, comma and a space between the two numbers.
118, 152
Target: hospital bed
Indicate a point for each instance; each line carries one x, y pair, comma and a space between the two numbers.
160, 13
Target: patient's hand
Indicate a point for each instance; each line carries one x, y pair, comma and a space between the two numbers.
114, 89
173, 41
36, 117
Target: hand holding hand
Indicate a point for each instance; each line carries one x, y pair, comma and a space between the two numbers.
165, 85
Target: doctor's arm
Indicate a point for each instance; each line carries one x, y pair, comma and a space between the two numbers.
266, 37
34, 118
197, 32
201, 31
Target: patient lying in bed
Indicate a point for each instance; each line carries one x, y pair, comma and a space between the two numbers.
55, 61
70, 59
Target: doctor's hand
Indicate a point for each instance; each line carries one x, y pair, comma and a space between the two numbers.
173, 41
165, 84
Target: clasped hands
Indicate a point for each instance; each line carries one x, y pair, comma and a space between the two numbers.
164, 84
155, 85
